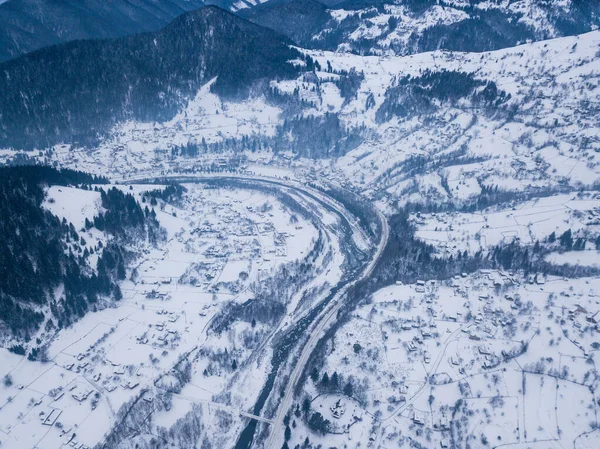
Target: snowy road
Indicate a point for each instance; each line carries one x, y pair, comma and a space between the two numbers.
275, 439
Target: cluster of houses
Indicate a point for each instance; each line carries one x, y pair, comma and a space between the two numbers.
163, 333
440, 420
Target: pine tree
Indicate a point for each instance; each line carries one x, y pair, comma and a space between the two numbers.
348, 389
118, 295
335, 381
314, 375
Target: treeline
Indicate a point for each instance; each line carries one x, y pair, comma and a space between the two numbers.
419, 164
291, 103
34, 175
172, 192
256, 310
123, 217
490, 195
408, 259
245, 143
422, 94
336, 383
317, 136
567, 242
491, 30
531, 258
305, 136
83, 287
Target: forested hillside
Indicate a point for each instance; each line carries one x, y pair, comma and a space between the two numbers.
75, 92
300, 20
423, 94
45, 270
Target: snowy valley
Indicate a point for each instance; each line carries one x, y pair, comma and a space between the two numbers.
305, 225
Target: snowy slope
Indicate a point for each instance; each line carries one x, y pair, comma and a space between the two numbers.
545, 135
406, 27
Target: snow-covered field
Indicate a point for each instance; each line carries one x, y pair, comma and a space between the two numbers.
582, 258
526, 222
489, 359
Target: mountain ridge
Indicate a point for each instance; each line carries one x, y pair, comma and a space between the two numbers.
28, 25
78, 90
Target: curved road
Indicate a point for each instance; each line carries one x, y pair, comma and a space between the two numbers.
329, 313
275, 439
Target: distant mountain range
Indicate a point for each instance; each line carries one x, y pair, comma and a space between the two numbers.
26, 25
75, 92
361, 26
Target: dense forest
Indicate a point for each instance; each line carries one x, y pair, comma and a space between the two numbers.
310, 16
422, 94
171, 193
316, 137
407, 258
123, 217
481, 32
27, 25
33, 260
44, 260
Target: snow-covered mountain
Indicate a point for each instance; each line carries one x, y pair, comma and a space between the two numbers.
536, 129
439, 125
364, 26
414, 26
76, 91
